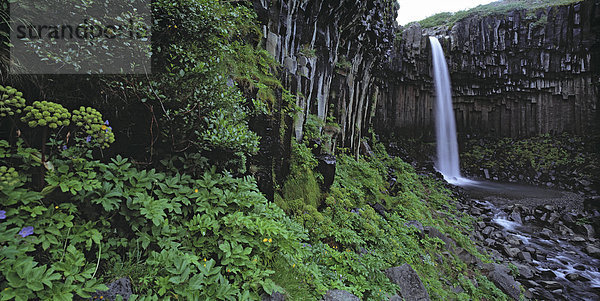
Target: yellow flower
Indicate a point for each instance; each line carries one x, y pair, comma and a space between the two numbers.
294, 265
265, 240
175, 26
196, 190
103, 127
204, 258
205, 265
55, 207
270, 240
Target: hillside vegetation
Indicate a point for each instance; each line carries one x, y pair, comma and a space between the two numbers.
494, 8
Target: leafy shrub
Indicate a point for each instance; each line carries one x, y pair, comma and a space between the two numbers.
312, 127
212, 237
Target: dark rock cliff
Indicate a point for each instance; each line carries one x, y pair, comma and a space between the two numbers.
517, 74
328, 50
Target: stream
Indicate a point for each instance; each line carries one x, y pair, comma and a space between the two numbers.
537, 230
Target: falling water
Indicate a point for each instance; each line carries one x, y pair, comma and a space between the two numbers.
447, 146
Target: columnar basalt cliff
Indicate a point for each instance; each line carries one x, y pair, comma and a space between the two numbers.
328, 50
517, 74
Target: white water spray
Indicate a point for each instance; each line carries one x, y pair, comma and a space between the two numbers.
445, 125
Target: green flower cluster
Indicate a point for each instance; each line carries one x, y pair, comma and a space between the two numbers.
91, 121
8, 176
46, 113
11, 101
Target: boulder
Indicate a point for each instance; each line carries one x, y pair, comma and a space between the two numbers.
434, 232
525, 271
120, 287
525, 256
593, 250
326, 167
411, 287
275, 296
511, 252
500, 275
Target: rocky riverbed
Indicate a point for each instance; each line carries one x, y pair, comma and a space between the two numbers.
545, 237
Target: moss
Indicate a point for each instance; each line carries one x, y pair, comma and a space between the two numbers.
299, 190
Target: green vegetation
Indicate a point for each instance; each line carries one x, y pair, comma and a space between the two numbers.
494, 8
350, 243
343, 65
215, 236
161, 195
564, 156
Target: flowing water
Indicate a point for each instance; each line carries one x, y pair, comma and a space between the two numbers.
445, 125
563, 258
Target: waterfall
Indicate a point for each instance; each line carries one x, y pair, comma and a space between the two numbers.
445, 125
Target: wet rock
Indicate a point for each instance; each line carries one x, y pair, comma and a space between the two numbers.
511, 252
553, 217
525, 256
546, 233
525, 271
593, 250
411, 287
589, 231
548, 274
576, 277
592, 203
550, 284
515, 216
500, 275
532, 283
487, 230
339, 295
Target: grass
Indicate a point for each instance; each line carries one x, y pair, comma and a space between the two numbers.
494, 8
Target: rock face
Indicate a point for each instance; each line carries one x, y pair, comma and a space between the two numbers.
328, 50
516, 74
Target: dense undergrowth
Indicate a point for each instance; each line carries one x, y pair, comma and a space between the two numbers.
495, 8
146, 177
216, 236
